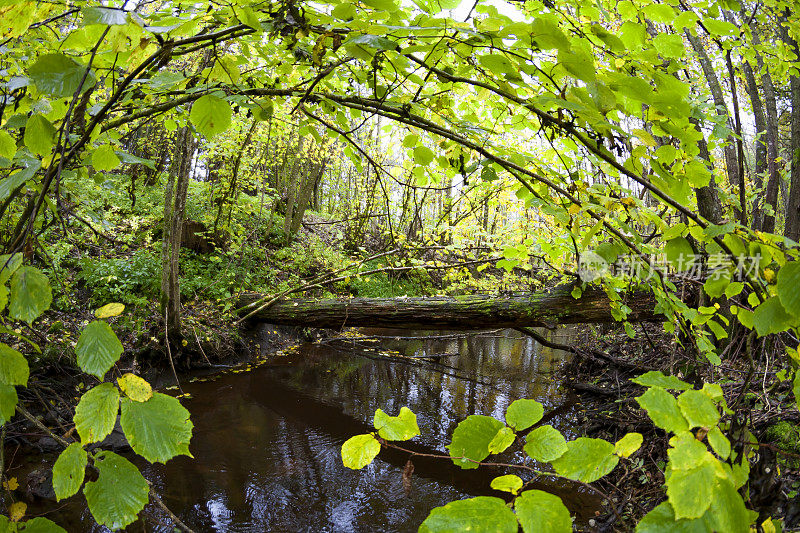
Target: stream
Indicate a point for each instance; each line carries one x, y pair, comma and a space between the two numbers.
267, 438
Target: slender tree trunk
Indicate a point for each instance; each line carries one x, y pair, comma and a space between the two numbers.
174, 212
792, 227
717, 94
760, 141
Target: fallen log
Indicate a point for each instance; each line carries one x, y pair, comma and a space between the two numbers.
545, 309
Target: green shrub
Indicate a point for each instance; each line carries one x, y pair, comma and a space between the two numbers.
131, 280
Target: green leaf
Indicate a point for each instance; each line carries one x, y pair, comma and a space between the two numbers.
542, 512
579, 63
787, 287
504, 438
586, 460
690, 491
796, 387
522, 414
13, 366
698, 409
104, 15
164, 79
509, 483
68, 471
669, 45
8, 265
471, 440
662, 519
359, 451
627, 445
727, 512
770, 317
30, 294
374, 41
40, 525
719, 442
60, 76
401, 427
679, 253
10, 184
382, 5
483, 514
211, 115
96, 413
264, 109
105, 159
158, 429
8, 146
662, 408
226, 70
98, 349
545, 444
119, 493
247, 16
655, 378
715, 285
498, 64
39, 135
423, 155
135, 388
8, 402
721, 27
547, 35
344, 11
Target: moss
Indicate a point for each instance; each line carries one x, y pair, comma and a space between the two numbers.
785, 436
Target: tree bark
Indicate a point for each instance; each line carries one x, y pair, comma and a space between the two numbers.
760, 118
174, 214
792, 227
717, 94
461, 312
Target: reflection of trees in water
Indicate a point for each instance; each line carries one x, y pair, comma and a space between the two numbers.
267, 447
486, 373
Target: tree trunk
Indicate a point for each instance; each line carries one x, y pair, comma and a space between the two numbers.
462, 312
792, 227
731, 163
760, 118
174, 214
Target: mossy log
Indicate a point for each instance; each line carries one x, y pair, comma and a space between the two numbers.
461, 312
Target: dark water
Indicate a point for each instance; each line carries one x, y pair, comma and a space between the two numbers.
267, 441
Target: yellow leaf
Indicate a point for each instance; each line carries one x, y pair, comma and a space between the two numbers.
645, 137
135, 387
17, 511
11, 484
109, 310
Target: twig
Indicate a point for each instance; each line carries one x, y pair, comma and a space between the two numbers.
161, 505
169, 351
200, 346
544, 342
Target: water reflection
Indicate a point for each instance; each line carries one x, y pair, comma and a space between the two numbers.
266, 442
